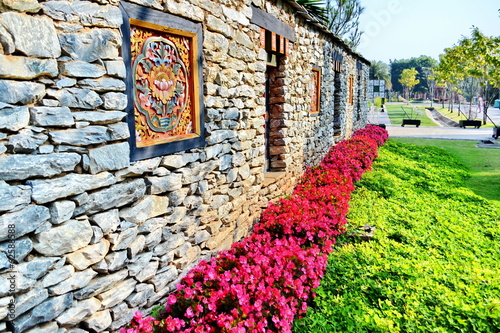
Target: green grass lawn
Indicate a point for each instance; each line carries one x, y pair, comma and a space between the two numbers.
398, 112
457, 117
483, 164
433, 263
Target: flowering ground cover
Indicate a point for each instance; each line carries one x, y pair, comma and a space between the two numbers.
268, 279
433, 262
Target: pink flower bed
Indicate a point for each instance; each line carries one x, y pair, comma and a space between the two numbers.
263, 282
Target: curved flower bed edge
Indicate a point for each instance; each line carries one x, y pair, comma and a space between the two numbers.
266, 280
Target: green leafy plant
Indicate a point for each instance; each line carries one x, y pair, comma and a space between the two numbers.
433, 263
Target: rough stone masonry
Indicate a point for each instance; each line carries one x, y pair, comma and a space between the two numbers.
88, 237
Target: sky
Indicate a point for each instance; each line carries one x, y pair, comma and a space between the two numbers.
403, 29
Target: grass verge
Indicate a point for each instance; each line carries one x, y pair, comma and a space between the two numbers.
433, 263
457, 117
397, 114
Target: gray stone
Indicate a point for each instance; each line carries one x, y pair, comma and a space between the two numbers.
177, 197
139, 263
145, 208
162, 279
109, 157
24, 68
116, 68
46, 328
49, 190
4, 262
118, 131
14, 92
19, 167
148, 272
61, 211
36, 268
107, 221
26, 302
115, 101
100, 285
169, 183
117, 294
88, 255
78, 312
115, 196
103, 84
116, 260
22, 222
79, 68
76, 98
81, 136
84, 12
77, 281
6, 41
153, 224
201, 236
64, 83
34, 36
141, 295
125, 315
99, 321
31, 6
140, 167
175, 161
14, 197
91, 45
56, 276
122, 240
99, 117
20, 285
22, 247
67, 237
220, 135
51, 116
48, 310
136, 246
97, 236
27, 141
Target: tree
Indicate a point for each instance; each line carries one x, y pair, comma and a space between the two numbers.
409, 80
477, 57
316, 9
397, 67
343, 20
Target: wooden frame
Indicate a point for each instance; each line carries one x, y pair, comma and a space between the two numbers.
315, 88
164, 82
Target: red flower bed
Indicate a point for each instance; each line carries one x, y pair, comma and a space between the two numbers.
263, 282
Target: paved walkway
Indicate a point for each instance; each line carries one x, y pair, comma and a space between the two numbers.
448, 133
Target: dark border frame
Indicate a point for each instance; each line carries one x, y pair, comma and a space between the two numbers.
318, 88
156, 17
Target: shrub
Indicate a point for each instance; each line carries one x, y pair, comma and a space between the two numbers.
263, 282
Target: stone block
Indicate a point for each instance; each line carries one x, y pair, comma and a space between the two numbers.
72, 184
99, 321
25, 68
77, 281
148, 272
14, 118
115, 196
91, 45
99, 117
51, 116
22, 246
14, 92
61, 211
76, 98
117, 294
26, 302
47, 328
169, 183
139, 263
141, 295
122, 240
161, 279
84, 12
109, 157
67, 237
79, 68
81, 136
100, 285
107, 221
22, 222
19, 167
56, 276
26, 142
34, 36
78, 312
116, 68
36, 268
44, 312
89, 255
30, 6
116, 260
14, 197
103, 84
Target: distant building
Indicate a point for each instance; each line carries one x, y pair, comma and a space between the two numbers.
376, 88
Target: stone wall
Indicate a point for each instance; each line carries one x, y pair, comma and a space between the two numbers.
87, 237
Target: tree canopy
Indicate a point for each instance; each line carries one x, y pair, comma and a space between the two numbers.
420, 64
408, 80
343, 20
